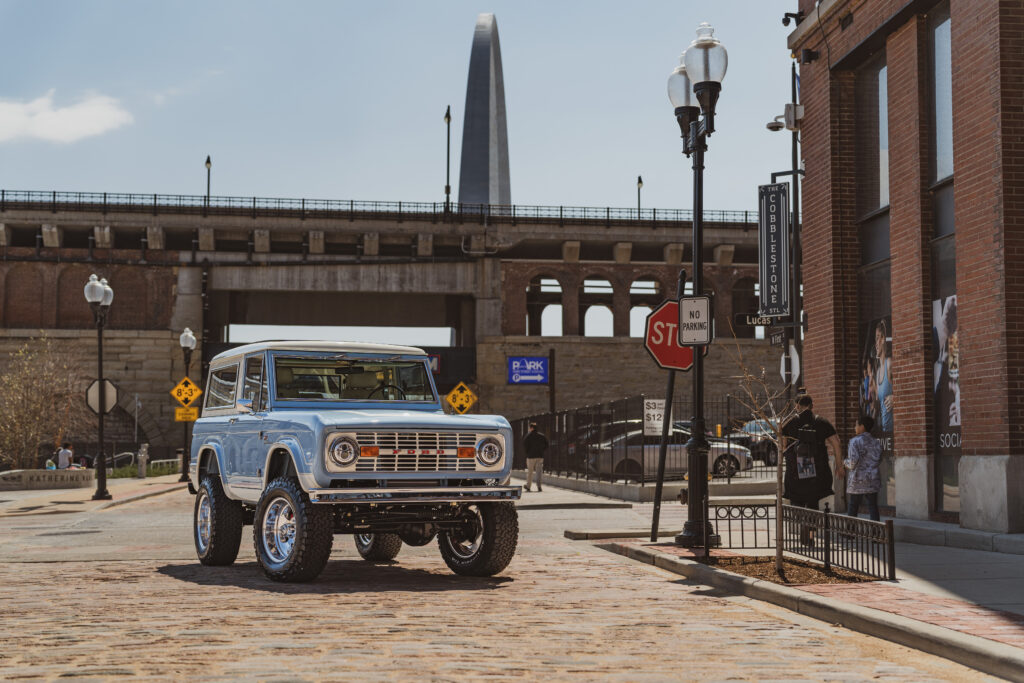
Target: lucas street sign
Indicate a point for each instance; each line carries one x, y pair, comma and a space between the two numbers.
751, 320
773, 248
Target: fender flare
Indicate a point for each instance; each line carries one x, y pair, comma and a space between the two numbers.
289, 446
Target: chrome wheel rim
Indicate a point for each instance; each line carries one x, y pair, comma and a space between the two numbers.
278, 530
364, 540
204, 513
466, 548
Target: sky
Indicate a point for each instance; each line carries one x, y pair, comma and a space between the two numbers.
345, 100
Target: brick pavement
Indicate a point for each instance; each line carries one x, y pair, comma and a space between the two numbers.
562, 610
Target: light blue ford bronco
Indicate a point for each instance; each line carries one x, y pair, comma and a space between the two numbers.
305, 440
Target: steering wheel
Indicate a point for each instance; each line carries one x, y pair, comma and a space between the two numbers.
382, 387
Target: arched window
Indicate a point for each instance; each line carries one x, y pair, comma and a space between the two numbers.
544, 307
595, 307
644, 295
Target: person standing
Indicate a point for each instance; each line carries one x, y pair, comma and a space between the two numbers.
535, 444
808, 476
863, 481
64, 456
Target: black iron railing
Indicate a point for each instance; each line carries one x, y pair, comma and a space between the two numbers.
744, 526
859, 545
256, 207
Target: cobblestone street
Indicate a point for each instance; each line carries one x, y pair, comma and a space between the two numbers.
562, 610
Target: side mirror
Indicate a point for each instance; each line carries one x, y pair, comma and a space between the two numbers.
244, 404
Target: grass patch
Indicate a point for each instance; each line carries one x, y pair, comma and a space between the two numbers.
133, 470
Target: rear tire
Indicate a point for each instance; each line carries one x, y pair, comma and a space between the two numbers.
378, 547
726, 466
293, 537
486, 545
216, 523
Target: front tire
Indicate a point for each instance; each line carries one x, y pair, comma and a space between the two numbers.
726, 466
378, 547
485, 544
217, 523
292, 536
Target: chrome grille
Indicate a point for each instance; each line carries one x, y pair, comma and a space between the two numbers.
404, 452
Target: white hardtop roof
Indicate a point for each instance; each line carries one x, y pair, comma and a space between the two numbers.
326, 346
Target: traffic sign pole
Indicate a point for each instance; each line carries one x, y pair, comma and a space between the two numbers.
666, 420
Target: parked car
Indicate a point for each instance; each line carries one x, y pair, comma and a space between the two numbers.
305, 440
634, 453
757, 436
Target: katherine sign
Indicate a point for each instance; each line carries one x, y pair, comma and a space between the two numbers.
773, 248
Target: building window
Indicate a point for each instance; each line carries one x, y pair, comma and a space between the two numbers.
544, 307
595, 307
942, 93
644, 295
872, 136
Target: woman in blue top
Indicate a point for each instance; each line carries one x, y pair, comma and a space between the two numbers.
883, 379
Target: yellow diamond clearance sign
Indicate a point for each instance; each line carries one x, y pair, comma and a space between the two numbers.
461, 398
186, 392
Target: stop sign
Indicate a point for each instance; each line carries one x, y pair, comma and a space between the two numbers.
661, 338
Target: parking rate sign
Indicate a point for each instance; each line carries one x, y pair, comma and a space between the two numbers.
527, 370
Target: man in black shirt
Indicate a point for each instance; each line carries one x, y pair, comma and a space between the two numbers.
535, 444
808, 477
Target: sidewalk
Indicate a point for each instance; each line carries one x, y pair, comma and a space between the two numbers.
962, 604
63, 501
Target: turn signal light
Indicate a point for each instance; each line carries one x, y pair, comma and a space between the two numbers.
369, 451
467, 452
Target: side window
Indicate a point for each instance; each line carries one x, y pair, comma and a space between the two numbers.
252, 387
221, 392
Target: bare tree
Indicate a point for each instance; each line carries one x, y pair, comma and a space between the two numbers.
766, 402
41, 401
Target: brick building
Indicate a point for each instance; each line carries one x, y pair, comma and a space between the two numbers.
913, 219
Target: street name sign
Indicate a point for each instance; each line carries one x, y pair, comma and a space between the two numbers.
186, 414
751, 320
186, 392
773, 248
695, 328
661, 338
92, 396
527, 369
461, 398
778, 339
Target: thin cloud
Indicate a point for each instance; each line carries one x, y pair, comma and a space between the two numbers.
40, 119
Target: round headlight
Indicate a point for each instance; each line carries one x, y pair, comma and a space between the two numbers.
343, 451
489, 452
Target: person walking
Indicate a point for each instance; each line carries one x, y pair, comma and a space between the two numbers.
535, 444
863, 481
808, 476
64, 456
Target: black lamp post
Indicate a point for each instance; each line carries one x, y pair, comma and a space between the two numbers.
702, 67
188, 343
448, 161
209, 164
100, 295
639, 184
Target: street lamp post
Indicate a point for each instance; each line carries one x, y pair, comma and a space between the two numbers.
700, 72
639, 184
448, 161
188, 344
99, 294
209, 164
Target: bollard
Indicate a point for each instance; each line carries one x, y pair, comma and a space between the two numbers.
143, 458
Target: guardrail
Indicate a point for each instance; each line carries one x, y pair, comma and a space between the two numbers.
256, 207
860, 545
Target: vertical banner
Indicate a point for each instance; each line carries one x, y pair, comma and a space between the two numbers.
946, 378
877, 395
773, 248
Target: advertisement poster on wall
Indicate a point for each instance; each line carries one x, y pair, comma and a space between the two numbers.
946, 377
877, 397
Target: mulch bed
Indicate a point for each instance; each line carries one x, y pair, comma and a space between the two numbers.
795, 571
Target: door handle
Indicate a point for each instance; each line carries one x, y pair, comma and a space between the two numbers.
232, 420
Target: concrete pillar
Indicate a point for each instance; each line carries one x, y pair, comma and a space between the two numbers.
674, 254
52, 236
316, 241
207, 241
103, 236
187, 308
4, 239
488, 301
261, 241
371, 244
622, 252
723, 254
571, 251
620, 309
425, 244
570, 306
155, 238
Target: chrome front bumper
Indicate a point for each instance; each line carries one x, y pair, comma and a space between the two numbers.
478, 494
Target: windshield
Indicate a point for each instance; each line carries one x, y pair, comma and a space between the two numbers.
351, 379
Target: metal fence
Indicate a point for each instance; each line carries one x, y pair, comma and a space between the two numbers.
606, 441
744, 526
120, 202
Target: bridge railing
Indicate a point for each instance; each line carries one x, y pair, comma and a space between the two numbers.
121, 202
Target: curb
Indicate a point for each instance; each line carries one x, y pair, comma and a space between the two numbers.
572, 506
987, 656
602, 534
140, 496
